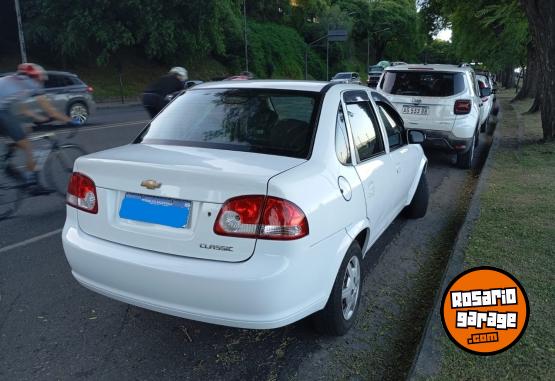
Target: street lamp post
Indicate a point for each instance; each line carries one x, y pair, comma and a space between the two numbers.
20, 30
246, 41
306, 54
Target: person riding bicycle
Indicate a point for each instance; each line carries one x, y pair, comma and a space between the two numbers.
15, 89
154, 94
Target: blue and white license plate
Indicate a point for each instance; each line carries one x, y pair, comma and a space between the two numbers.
155, 210
415, 110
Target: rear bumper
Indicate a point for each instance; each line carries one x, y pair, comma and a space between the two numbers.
445, 141
267, 291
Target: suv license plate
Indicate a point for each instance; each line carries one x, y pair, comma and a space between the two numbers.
415, 110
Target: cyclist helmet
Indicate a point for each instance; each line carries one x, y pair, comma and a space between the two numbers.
32, 70
181, 72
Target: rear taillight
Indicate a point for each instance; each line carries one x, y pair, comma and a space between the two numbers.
462, 106
81, 193
89, 89
261, 217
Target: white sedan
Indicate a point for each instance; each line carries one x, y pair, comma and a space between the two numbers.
247, 204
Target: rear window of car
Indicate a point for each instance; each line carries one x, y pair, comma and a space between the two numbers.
264, 121
422, 83
342, 76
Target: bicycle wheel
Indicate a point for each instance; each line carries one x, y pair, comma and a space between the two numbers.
59, 166
10, 198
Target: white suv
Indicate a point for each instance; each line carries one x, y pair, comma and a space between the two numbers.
246, 203
444, 101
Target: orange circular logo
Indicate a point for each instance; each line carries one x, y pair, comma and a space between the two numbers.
485, 310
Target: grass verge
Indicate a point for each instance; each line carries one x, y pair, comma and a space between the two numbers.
516, 232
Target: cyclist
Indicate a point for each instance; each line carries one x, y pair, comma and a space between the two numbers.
154, 94
27, 82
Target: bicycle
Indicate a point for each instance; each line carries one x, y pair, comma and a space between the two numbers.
54, 164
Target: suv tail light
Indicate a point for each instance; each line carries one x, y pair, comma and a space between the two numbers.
462, 106
89, 89
81, 193
261, 217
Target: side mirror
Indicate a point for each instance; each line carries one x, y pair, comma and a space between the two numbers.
416, 137
485, 92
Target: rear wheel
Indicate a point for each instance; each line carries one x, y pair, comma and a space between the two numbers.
465, 159
79, 110
484, 125
419, 204
59, 166
340, 312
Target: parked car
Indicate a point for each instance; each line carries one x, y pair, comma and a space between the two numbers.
243, 76
374, 75
68, 93
346, 77
487, 100
444, 101
247, 204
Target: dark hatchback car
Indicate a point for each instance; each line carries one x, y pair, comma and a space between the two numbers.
68, 93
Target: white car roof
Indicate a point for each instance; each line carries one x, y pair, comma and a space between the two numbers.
430, 67
314, 86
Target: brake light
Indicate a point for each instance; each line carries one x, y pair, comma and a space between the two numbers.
89, 89
462, 106
81, 193
261, 217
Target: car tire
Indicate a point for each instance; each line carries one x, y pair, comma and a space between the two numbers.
341, 310
78, 110
419, 204
491, 126
465, 159
484, 125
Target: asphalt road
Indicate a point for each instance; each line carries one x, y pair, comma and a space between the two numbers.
52, 328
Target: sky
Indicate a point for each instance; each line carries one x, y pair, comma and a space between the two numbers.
444, 34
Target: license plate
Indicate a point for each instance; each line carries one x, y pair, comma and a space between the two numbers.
155, 210
415, 110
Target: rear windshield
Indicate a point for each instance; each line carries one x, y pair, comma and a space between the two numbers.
425, 84
342, 75
264, 121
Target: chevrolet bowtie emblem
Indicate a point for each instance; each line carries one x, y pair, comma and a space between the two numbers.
151, 184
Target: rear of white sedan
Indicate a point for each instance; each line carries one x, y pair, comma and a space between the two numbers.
241, 204
181, 221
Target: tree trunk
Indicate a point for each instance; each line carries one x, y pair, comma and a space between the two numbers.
541, 22
529, 85
509, 77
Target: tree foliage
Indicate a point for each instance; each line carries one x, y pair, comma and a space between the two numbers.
170, 31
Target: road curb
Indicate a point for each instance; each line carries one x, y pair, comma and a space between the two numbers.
427, 360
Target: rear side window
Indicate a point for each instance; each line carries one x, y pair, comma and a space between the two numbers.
422, 83
393, 126
342, 149
265, 121
365, 130
55, 80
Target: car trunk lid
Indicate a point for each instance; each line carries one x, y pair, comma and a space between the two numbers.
198, 179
